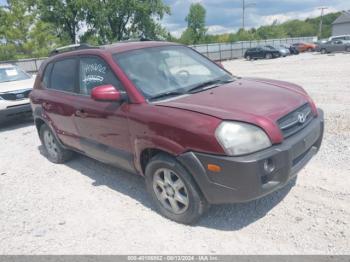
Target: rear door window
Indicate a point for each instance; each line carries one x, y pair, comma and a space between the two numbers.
47, 73
63, 75
93, 72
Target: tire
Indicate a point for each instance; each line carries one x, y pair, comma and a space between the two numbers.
53, 149
173, 190
248, 57
347, 49
268, 56
323, 51
309, 49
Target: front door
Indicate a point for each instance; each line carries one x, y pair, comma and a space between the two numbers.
102, 126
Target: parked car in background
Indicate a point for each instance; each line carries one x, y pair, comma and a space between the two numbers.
15, 86
305, 47
198, 134
334, 46
340, 37
282, 50
322, 41
292, 49
261, 52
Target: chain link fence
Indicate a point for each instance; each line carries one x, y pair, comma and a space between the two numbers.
30, 65
216, 52
234, 50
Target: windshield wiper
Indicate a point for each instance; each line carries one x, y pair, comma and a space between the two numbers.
208, 85
166, 94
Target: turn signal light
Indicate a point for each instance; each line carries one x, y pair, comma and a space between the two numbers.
214, 168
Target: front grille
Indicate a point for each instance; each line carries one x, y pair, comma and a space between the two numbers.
16, 95
296, 120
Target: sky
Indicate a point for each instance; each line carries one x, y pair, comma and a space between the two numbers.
225, 16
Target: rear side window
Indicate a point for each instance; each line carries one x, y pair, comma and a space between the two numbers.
94, 71
47, 72
63, 75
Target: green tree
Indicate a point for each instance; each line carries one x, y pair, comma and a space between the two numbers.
196, 31
22, 35
67, 16
124, 19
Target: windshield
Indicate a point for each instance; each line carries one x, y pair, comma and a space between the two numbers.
8, 74
172, 70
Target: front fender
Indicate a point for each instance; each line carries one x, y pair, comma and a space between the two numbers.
157, 142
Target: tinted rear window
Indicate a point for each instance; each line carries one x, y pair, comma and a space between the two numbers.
63, 75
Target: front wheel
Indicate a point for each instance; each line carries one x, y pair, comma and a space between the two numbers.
248, 57
323, 51
268, 56
347, 49
173, 190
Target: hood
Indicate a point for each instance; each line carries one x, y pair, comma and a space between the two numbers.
17, 85
257, 101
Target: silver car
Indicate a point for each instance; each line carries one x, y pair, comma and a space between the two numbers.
284, 51
281, 49
334, 46
15, 86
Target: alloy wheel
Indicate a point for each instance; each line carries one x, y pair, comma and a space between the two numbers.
50, 144
171, 191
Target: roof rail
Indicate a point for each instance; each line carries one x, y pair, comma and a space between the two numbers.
73, 47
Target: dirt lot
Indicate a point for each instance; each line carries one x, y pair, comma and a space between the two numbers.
87, 207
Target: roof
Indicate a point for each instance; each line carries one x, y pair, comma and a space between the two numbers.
343, 18
128, 46
118, 47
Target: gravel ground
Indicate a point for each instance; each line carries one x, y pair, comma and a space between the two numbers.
85, 207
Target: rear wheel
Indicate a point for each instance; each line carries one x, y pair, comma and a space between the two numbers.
347, 49
248, 57
54, 151
173, 190
323, 51
268, 56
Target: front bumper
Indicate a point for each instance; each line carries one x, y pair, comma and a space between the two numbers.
15, 111
244, 178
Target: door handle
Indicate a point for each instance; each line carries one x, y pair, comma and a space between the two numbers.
81, 113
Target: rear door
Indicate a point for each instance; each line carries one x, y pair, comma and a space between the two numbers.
259, 53
339, 46
58, 101
103, 126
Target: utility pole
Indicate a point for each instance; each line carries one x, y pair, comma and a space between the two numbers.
321, 21
244, 7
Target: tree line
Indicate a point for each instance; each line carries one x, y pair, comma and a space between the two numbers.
31, 28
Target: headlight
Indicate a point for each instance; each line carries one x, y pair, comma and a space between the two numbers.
239, 138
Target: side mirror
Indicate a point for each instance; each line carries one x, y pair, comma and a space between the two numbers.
107, 93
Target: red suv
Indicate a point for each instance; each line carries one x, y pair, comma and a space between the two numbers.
198, 134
